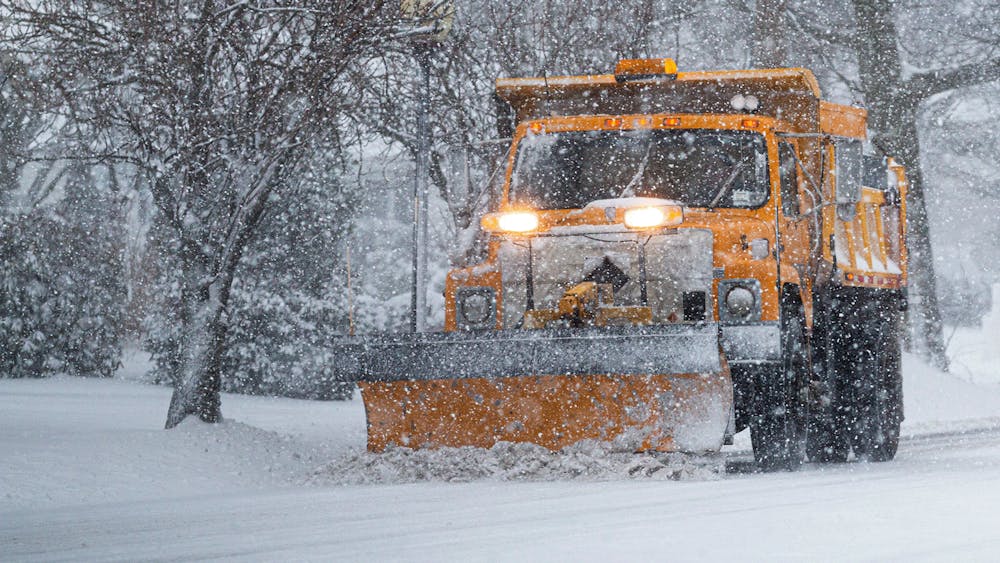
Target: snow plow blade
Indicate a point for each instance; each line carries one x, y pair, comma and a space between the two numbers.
663, 388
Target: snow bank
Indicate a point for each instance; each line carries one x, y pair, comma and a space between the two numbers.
932, 397
72, 441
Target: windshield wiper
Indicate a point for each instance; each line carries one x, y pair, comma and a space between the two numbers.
724, 187
629, 190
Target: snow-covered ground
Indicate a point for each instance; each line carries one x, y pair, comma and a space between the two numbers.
975, 352
87, 473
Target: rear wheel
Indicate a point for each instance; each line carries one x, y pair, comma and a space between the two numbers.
827, 440
778, 422
876, 392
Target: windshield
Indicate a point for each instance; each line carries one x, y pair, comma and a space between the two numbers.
697, 167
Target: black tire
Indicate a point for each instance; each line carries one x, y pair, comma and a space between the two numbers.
778, 420
334, 391
826, 442
876, 390
827, 445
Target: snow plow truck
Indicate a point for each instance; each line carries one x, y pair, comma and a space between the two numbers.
676, 256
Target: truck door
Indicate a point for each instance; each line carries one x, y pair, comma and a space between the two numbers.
795, 235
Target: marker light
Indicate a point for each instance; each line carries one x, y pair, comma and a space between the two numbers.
518, 221
652, 217
671, 121
613, 123
760, 248
536, 128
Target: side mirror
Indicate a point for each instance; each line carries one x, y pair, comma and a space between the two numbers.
848, 176
877, 176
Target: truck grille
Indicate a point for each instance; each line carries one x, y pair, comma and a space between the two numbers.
678, 270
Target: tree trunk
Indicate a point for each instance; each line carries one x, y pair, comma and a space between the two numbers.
893, 121
926, 317
199, 378
769, 47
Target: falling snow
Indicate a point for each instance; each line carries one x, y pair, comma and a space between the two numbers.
206, 196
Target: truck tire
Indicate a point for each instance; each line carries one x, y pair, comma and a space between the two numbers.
334, 391
778, 420
826, 442
834, 449
877, 390
829, 443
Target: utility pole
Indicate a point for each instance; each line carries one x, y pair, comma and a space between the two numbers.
431, 22
421, 194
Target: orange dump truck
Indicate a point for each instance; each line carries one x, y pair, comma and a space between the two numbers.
676, 256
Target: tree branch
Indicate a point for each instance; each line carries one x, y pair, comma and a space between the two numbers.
926, 84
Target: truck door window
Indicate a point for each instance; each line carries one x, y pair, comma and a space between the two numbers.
697, 167
789, 177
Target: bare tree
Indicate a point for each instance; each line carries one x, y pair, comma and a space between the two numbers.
769, 47
905, 52
894, 95
218, 104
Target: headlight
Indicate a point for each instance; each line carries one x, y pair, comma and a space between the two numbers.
510, 222
740, 302
518, 221
475, 307
652, 217
741, 102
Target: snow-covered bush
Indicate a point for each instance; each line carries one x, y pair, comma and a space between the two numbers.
62, 290
290, 293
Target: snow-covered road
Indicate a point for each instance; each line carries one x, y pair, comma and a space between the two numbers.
87, 474
938, 502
